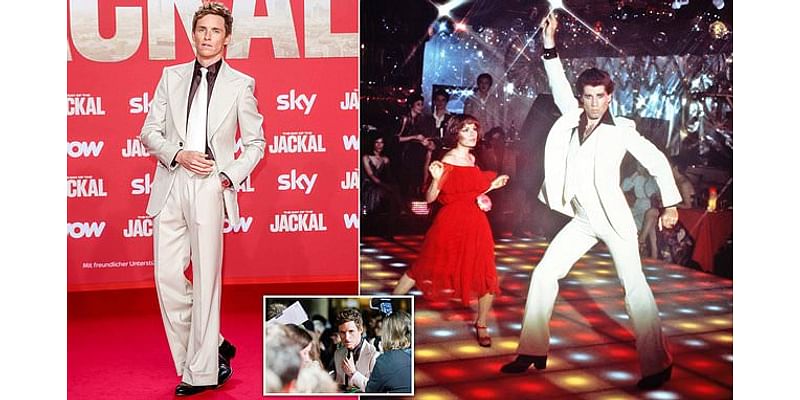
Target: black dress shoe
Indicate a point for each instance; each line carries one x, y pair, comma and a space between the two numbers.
227, 350
225, 371
522, 363
185, 389
656, 380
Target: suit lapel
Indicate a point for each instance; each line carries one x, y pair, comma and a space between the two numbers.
179, 96
222, 99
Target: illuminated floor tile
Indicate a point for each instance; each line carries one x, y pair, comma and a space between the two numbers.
577, 381
592, 353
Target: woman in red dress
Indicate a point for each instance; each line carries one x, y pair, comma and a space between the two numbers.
457, 255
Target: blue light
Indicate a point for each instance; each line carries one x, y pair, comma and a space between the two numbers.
622, 316
442, 333
500, 267
694, 342
619, 375
714, 308
677, 276
653, 278
687, 311
580, 357
398, 264
662, 395
515, 326
383, 257
369, 250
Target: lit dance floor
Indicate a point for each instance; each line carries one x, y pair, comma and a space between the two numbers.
592, 352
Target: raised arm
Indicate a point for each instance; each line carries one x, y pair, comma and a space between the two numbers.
559, 85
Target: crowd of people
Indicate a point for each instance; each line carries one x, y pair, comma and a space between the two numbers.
346, 357
395, 161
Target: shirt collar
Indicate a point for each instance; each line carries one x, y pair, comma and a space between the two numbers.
213, 69
605, 119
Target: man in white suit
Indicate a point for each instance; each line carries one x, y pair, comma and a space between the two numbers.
356, 357
583, 153
191, 131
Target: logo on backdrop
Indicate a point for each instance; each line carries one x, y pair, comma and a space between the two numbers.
85, 186
350, 142
295, 181
350, 180
293, 101
351, 221
80, 230
84, 149
134, 148
141, 185
297, 142
243, 225
298, 221
140, 105
141, 226
84, 104
350, 101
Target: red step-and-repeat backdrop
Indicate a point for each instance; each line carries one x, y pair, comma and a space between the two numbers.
299, 208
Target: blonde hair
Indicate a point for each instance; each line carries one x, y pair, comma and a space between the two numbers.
397, 331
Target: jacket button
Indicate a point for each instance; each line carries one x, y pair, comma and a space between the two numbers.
180, 144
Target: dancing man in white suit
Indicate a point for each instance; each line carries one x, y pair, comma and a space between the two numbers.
583, 153
192, 134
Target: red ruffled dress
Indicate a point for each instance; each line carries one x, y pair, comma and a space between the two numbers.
457, 256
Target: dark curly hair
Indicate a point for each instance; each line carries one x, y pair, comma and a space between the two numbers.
213, 8
454, 126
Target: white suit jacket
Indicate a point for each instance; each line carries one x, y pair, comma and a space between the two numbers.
613, 142
232, 105
364, 365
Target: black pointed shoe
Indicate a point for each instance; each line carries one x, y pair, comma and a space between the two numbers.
225, 371
523, 362
227, 350
656, 380
185, 389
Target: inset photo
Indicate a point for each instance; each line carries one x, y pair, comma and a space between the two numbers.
339, 345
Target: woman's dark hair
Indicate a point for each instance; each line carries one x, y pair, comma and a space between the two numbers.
454, 126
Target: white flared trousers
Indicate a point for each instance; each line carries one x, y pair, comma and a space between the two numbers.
190, 227
572, 242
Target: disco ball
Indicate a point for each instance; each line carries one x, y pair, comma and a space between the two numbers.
718, 30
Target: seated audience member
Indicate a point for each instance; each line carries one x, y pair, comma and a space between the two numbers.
676, 243
356, 357
392, 372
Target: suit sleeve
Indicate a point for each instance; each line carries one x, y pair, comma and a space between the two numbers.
252, 134
559, 85
359, 379
153, 134
654, 161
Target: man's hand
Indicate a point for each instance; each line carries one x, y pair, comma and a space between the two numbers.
549, 26
668, 218
348, 365
195, 161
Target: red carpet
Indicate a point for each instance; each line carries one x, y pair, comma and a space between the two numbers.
116, 347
